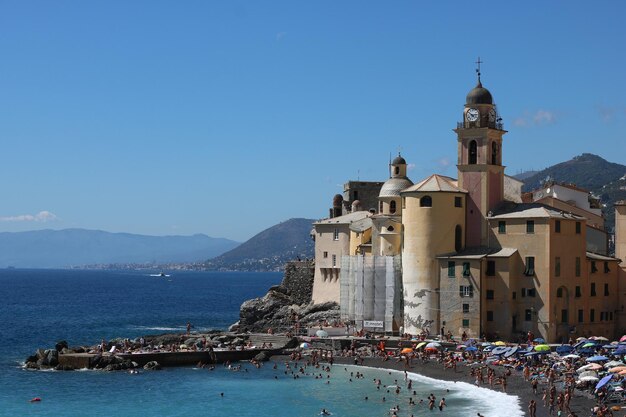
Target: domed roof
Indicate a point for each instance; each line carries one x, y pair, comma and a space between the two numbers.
398, 160
393, 186
337, 200
479, 95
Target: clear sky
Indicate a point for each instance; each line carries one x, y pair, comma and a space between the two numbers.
227, 117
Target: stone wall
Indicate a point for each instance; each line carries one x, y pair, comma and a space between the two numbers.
298, 280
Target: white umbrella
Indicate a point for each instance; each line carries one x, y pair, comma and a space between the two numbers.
583, 368
588, 373
588, 378
571, 356
613, 364
434, 345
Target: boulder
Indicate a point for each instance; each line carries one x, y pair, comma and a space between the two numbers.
262, 357
60, 345
152, 366
53, 357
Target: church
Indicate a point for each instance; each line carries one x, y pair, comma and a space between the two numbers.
472, 254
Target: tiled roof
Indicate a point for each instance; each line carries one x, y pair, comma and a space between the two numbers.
436, 183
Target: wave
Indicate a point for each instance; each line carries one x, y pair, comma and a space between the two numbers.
170, 329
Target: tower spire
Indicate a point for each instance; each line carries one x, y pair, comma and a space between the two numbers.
478, 69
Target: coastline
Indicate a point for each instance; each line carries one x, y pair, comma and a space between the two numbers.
581, 404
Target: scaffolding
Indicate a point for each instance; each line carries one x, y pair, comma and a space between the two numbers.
371, 290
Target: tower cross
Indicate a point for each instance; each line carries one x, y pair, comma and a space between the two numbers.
478, 68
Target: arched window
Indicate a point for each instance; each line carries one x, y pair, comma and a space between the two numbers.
390, 229
559, 292
396, 170
392, 207
494, 153
426, 201
473, 152
458, 238
380, 208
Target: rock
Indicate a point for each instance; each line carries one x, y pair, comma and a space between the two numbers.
262, 357
64, 368
292, 343
152, 366
41, 353
53, 358
60, 345
190, 342
234, 327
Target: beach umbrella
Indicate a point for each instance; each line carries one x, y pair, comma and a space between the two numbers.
305, 345
623, 338
419, 345
539, 340
588, 373
617, 369
622, 373
588, 378
619, 351
471, 349
604, 381
613, 364
598, 358
485, 344
600, 338
500, 343
406, 350
571, 356
433, 345
609, 346
532, 353
460, 347
321, 333
542, 348
499, 350
564, 349
589, 345
512, 351
584, 368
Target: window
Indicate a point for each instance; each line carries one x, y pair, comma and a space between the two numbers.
473, 152
489, 295
380, 207
514, 295
458, 238
559, 292
528, 315
602, 316
466, 269
606, 289
501, 227
458, 202
557, 266
564, 316
578, 293
392, 207
403, 202
593, 289
390, 229
334, 261
606, 268
494, 153
465, 308
594, 268
325, 254
336, 234
531, 292
580, 316
577, 266
426, 201
466, 291
610, 315
557, 226
356, 195
451, 268
530, 226
396, 170
465, 322
530, 266
523, 292
592, 315
577, 228
491, 268
489, 315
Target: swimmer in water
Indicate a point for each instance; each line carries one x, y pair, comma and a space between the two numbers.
324, 412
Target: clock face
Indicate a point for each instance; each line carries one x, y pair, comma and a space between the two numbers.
472, 115
492, 115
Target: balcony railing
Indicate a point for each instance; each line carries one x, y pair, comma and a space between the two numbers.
492, 125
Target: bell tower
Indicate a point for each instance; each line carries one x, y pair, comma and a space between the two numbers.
480, 169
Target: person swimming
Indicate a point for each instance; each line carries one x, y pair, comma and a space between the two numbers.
325, 412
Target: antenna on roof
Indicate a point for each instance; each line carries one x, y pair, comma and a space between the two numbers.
478, 68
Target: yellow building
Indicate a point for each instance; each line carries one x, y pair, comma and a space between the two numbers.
473, 255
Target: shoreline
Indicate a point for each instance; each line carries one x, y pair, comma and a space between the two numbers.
580, 405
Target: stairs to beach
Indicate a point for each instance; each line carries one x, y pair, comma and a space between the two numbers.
276, 340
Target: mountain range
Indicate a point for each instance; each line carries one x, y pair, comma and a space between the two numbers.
79, 247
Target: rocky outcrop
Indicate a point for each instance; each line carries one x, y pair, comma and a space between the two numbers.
286, 304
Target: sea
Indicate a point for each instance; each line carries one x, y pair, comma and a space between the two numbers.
40, 307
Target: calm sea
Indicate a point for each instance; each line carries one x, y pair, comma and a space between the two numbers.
40, 307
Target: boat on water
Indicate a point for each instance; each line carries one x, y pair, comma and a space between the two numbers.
160, 274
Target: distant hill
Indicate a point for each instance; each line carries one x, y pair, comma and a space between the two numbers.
78, 247
270, 249
604, 179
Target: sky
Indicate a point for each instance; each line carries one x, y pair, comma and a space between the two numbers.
227, 117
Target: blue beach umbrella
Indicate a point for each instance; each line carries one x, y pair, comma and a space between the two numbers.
539, 340
564, 349
598, 358
604, 381
471, 349
512, 351
619, 351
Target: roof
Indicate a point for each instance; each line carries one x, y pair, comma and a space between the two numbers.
346, 218
531, 210
398, 160
479, 95
361, 225
596, 257
480, 253
393, 186
436, 183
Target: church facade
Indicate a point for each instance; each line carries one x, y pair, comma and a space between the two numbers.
473, 254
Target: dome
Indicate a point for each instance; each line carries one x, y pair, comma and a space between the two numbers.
479, 95
398, 160
393, 186
337, 200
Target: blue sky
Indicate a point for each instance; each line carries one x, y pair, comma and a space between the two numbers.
224, 118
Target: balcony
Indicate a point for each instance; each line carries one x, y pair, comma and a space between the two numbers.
477, 124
